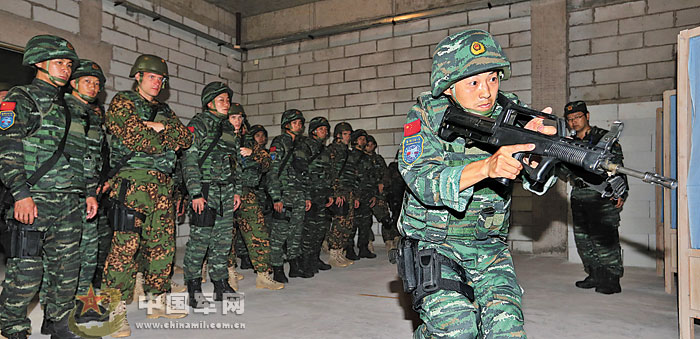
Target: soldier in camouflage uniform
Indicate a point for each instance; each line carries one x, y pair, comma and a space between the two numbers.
288, 185
596, 219
212, 182
253, 160
344, 182
317, 220
33, 120
362, 221
379, 206
394, 188
454, 207
142, 148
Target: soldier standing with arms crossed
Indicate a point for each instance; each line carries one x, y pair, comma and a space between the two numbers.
145, 136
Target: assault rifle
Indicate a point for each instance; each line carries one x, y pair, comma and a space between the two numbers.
509, 129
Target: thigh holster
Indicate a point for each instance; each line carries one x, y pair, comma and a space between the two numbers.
122, 218
285, 215
208, 216
421, 272
19, 241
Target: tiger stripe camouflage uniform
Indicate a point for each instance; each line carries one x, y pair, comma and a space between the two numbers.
150, 190
32, 123
249, 219
362, 221
467, 226
218, 173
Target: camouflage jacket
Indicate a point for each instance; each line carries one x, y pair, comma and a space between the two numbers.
343, 175
319, 171
86, 134
434, 207
222, 165
366, 185
579, 177
394, 186
255, 165
285, 180
154, 150
378, 171
32, 123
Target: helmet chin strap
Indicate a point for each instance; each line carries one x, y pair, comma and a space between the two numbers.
54, 80
456, 102
83, 96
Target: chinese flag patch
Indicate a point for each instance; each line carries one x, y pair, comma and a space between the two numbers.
411, 128
273, 148
7, 106
191, 128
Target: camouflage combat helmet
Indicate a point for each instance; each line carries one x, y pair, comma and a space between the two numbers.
291, 115
235, 109
149, 63
371, 139
341, 127
214, 89
465, 54
318, 122
356, 134
47, 47
258, 128
88, 68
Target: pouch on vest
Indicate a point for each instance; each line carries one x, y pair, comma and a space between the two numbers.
208, 216
122, 218
490, 222
6, 201
22, 241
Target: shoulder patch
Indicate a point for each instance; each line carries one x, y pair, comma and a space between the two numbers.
273, 153
191, 128
412, 148
7, 115
411, 128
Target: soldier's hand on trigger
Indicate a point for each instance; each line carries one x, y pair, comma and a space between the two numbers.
245, 151
278, 206
91, 207
198, 205
307, 205
372, 202
329, 203
537, 124
156, 126
619, 203
236, 201
26, 211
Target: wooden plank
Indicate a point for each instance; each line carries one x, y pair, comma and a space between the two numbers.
659, 193
670, 237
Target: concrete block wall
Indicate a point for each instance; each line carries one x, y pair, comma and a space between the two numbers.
625, 51
638, 141
371, 78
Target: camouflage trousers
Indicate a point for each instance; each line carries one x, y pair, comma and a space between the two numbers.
211, 242
239, 248
104, 242
60, 216
282, 231
89, 242
316, 225
253, 230
362, 225
392, 232
497, 309
596, 221
149, 192
342, 230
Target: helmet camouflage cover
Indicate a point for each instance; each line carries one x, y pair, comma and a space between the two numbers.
356, 134
149, 63
341, 127
47, 47
88, 68
318, 122
291, 115
236, 109
465, 54
258, 128
214, 89
371, 139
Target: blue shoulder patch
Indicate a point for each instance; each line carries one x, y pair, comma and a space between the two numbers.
412, 148
7, 119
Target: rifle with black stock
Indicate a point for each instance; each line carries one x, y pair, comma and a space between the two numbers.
509, 129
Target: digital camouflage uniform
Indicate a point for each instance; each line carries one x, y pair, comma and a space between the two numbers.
344, 182
217, 172
596, 220
148, 174
249, 218
33, 123
470, 226
288, 186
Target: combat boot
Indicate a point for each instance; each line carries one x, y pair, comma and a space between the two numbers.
162, 309
233, 278
177, 288
295, 269
60, 330
204, 271
590, 280
278, 274
120, 312
336, 259
221, 287
370, 247
46, 326
350, 253
309, 265
322, 265
138, 287
366, 253
246, 264
194, 287
608, 283
389, 246
264, 280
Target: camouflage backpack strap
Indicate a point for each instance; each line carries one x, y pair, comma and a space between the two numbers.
286, 159
219, 133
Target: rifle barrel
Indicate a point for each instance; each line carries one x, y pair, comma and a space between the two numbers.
648, 177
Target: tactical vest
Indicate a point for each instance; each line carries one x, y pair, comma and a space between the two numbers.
163, 162
219, 165
252, 170
65, 175
81, 156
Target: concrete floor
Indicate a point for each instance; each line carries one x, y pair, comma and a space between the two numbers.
363, 301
